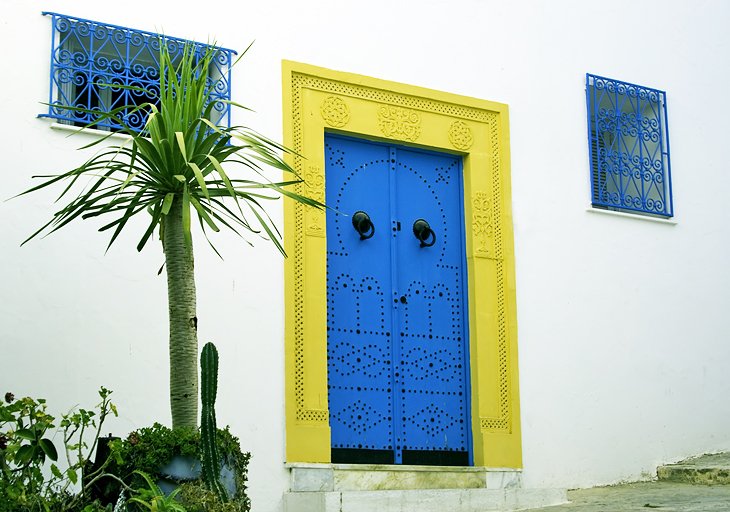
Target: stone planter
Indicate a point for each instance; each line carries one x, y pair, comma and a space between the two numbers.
183, 469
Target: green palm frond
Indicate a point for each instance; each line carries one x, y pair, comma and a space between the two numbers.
181, 155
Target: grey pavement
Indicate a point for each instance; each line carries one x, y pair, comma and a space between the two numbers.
647, 496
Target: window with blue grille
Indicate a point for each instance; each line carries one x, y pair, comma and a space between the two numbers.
90, 60
629, 147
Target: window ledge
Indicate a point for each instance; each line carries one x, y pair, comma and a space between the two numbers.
89, 131
671, 222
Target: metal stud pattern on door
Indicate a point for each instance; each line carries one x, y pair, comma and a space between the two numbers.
397, 356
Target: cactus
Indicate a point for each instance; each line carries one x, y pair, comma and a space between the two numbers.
210, 458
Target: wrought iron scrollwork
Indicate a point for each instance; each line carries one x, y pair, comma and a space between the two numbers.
92, 64
629, 147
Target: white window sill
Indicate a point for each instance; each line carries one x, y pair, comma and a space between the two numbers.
671, 222
88, 131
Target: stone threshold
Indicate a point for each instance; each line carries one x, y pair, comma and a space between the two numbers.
425, 500
373, 477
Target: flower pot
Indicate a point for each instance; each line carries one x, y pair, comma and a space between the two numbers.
185, 468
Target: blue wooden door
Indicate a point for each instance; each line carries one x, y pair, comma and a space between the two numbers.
397, 344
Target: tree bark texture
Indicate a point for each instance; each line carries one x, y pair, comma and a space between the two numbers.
183, 320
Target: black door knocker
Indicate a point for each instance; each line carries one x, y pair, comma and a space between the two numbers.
423, 233
363, 225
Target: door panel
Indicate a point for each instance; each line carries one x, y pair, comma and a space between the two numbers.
432, 360
397, 357
359, 316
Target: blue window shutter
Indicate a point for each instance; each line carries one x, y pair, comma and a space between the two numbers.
628, 147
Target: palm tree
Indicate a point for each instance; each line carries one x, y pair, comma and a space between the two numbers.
171, 170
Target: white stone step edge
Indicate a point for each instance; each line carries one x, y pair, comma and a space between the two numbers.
429, 500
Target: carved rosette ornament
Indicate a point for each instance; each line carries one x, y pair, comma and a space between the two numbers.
314, 184
399, 122
335, 112
482, 224
460, 135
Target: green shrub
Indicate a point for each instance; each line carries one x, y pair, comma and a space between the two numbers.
151, 448
30, 478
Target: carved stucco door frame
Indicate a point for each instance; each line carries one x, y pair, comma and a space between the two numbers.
318, 100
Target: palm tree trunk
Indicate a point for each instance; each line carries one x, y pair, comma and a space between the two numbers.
183, 320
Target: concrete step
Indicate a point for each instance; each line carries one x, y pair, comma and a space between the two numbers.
397, 488
711, 469
374, 477
424, 500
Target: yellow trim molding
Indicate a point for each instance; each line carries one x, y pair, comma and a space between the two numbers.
318, 100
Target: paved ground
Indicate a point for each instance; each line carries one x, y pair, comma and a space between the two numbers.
647, 496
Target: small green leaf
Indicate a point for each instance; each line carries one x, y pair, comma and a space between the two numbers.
203, 214
181, 143
48, 448
201, 180
25, 433
71, 473
180, 178
56, 472
24, 454
167, 203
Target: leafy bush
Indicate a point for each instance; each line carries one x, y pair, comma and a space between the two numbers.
30, 478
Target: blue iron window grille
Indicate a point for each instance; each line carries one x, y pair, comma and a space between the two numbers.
629, 147
89, 60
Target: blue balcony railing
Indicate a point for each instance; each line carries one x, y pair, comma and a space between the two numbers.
90, 60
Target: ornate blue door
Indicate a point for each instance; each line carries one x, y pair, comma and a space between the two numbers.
397, 344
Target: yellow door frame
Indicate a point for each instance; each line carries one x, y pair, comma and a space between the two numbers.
318, 100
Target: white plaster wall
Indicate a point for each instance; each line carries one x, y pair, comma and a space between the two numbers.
623, 337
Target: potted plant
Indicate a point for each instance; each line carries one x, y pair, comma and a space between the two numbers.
204, 465
174, 170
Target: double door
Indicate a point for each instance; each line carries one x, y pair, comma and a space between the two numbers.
396, 312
